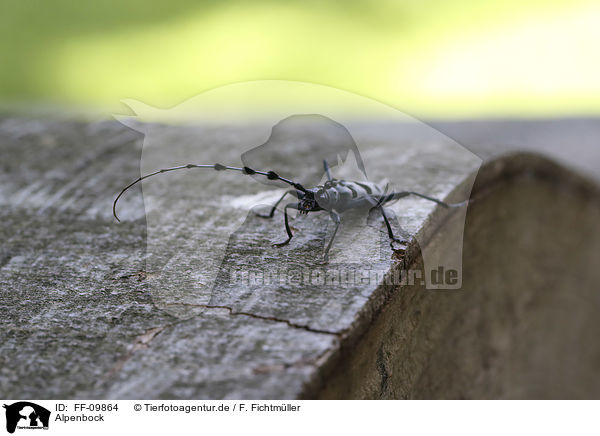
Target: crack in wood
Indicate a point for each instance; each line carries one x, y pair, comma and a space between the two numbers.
263, 317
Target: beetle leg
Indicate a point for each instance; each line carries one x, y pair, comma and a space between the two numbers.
389, 229
270, 215
397, 195
336, 219
287, 225
327, 172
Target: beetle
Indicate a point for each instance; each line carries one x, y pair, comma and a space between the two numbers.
334, 196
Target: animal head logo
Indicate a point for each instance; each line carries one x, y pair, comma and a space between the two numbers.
25, 414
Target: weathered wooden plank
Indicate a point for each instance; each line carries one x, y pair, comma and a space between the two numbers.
92, 308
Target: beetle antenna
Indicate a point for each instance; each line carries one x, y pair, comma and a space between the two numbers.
271, 175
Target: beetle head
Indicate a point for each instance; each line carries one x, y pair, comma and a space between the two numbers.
307, 202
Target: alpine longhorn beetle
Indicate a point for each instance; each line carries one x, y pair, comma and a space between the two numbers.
334, 196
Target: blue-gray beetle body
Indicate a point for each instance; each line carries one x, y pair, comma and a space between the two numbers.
340, 195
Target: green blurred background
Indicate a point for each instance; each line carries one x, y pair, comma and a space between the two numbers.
454, 58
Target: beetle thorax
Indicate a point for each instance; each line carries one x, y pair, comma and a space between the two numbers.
341, 194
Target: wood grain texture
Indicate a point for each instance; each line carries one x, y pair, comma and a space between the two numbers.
87, 312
